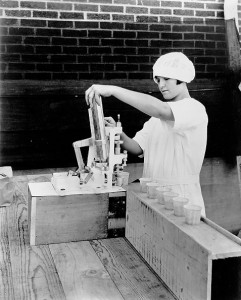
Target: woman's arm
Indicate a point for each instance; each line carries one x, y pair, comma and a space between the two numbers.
128, 143
143, 102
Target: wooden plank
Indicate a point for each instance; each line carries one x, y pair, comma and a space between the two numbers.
34, 274
132, 277
69, 218
180, 254
6, 281
81, 272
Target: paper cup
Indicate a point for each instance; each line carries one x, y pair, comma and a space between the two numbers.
168, 199
159, 193
151, 189
143, 182
192, 214
178, 205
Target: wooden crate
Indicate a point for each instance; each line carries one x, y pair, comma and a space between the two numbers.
198, 262
77, 217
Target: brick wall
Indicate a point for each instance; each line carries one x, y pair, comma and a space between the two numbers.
108, 39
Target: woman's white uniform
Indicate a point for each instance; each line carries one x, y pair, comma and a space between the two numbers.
174, 150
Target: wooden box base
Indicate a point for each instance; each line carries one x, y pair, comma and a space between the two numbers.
77, 217
196, 262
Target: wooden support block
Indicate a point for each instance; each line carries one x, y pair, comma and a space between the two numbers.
77, 217
196, 262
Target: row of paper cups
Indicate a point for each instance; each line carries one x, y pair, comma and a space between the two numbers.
172, 200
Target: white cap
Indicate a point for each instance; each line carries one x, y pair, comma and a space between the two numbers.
174, 65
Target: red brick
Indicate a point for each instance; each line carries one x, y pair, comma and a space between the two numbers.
182, 28
70, 15
161, 43
65, 76
18, 13
37, 40
99, 33
130, 2
149, 2
146, 19
33, 4
110, 8
64, 41
127, 67
125, 51
101, 67
11, 39
109, 76
194, 36
124, 34
48, 49
45, 14
130, 26
136, 59
59, 6
171, 36
74, 33
21, 31
193, 5
136, 10
48, 32
147, 35
49, 67
76, 67
183, 12
160, 27
75, 50
204, 44
114, 59
183, 44
86, 7
112, 42
215, 37
61, 24
8, 4
98, 16
34, 58
20, 49
9, 22
148, 50
214, 6
136, 43
86, 24
204, 13
10, 57
21, 67
33, 23
172, 3
204, 28
37, 76
100, 50
111, 25
160, 11
124, 18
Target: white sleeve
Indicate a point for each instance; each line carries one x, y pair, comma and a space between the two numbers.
187, 113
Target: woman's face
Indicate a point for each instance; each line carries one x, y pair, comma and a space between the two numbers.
169, 88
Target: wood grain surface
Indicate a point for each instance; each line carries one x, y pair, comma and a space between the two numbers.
103, 269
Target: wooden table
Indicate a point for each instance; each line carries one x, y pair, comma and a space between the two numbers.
98, 269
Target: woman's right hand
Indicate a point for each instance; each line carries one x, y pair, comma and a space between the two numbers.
95, 92
110, 122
